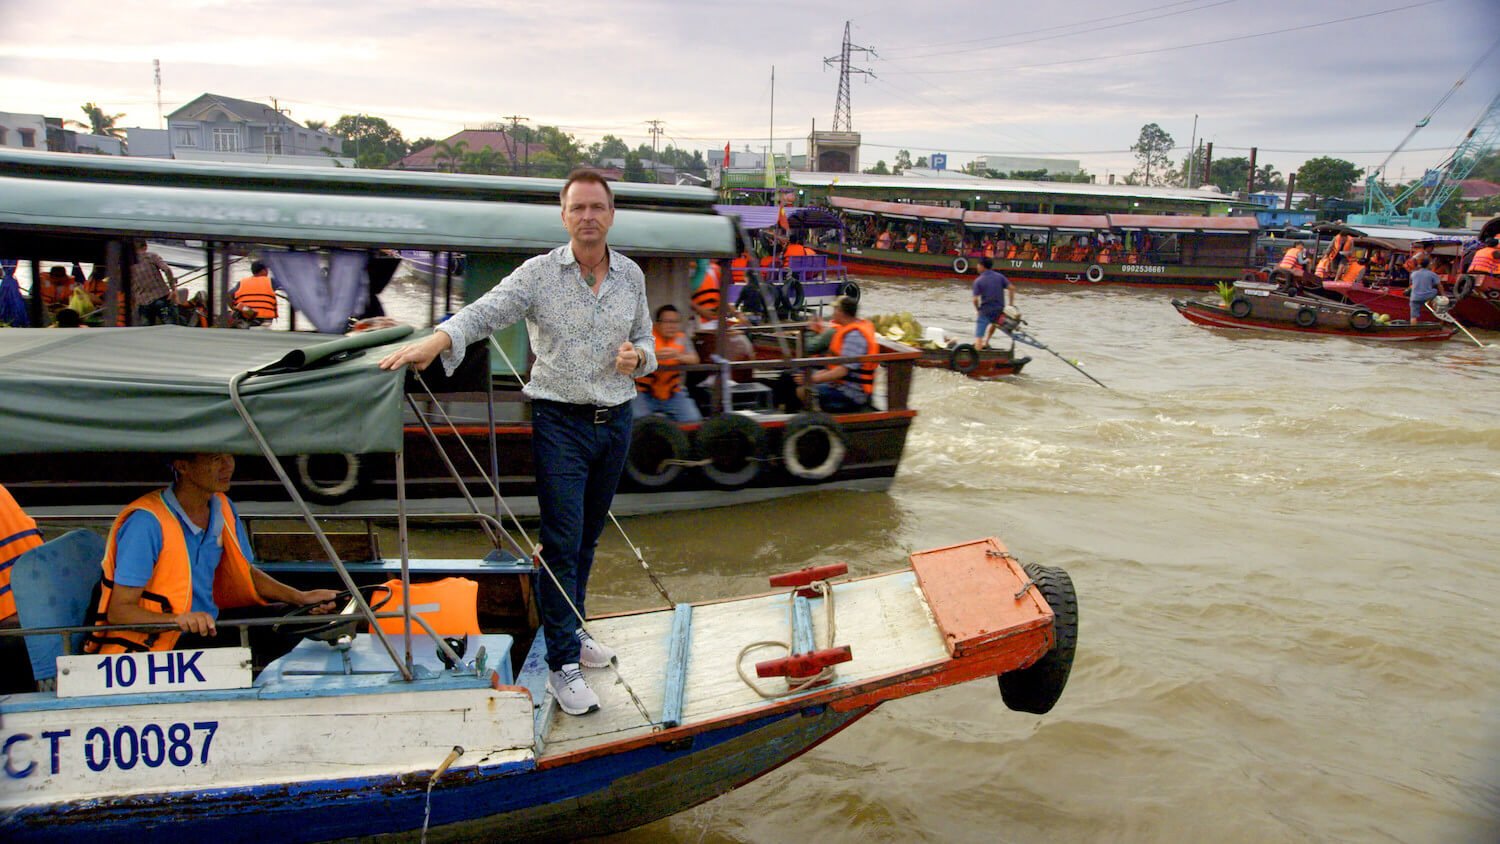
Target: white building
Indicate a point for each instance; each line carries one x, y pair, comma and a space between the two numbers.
1011, 163
217, 128
23, 131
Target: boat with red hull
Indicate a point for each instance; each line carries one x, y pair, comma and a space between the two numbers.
1254, 307
1381, 286
1117, 249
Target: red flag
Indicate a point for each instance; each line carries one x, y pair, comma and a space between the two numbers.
726, 154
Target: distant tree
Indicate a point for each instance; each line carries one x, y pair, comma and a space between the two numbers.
1194, 160
1230, 174
607, 147
420, 144
100, 123
371, 140
921, 161
1488, 168
903, 161
698, 165
451, 153
879, 169
634, 172
1153, 150
485, 161
1325, 176
1030, 175
316, 125
1269, 178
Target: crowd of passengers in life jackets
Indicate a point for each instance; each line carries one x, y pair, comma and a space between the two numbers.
1101, 248
1371, 265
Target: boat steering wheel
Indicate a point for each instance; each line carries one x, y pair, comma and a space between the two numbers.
343, 624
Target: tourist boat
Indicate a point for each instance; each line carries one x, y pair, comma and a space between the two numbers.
1269, 307
1382, 287
433, 718
1145, 250
797, 282
88, 208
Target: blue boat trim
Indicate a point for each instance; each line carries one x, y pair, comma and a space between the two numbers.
675, 689
802, 626
533, 676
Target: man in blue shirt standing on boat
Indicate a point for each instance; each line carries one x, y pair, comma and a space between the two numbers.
590, 326
1424, 287
989, 301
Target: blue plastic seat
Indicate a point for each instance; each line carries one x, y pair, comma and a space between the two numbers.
53, 584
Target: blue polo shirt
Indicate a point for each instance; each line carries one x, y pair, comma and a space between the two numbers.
990, 287
139, 543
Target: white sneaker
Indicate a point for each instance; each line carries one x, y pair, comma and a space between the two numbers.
573, 695
591, 653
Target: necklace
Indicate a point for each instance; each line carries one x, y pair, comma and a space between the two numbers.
590, 268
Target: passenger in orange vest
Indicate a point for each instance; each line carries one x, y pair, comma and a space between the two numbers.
179, 556
843, 386
796, 249
55, 288
663, 391
738, 266
18, 534
1487, 260
255, 296
1293, 258
911, 242
1414, 260
883, 241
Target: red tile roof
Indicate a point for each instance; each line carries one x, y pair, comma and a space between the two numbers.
477, 139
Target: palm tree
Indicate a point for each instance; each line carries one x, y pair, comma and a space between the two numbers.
452, 153
100, 123
316, 125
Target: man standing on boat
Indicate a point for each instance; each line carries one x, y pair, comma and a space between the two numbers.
989, 301
590, 326
153, 287
1424, 287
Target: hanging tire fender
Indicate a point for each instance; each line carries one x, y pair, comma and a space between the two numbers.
734, 446
1464, 286
1306, 317
796, 294
960, 265
1095, 274
1362, 320
321, 490
656, 444
1240, 307
964, 358
851, 290
813, 446
1037, 687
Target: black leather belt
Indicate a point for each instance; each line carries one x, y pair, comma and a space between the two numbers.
592, 412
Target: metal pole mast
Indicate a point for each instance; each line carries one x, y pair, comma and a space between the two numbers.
843, 120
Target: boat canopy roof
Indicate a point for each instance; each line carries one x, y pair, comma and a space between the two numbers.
51, 194
166, 389
756, 217
1065, 222
901, 210
1184, 223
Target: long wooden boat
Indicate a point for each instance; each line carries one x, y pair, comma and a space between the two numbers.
88, 208
1261, 307
376, 725
1147, 250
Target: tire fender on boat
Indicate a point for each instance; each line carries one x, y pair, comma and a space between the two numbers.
656, 446
1306, 317
964, 358
735, 447
1250, 276
813, 446
1362, 320
1037, 687
796, 296
1464, 286
851, 290
751, 301
322, 491
1095, 273
1240, 307
960, 265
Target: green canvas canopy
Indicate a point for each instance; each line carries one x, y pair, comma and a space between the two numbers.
166, 389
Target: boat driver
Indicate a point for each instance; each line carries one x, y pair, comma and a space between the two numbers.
181, 556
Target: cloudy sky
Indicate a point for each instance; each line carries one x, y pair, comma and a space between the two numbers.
1067, 78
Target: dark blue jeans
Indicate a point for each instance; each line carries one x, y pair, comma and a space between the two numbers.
578, 466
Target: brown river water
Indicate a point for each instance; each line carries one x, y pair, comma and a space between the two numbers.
1285, 551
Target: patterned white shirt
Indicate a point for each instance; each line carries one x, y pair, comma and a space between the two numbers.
574, 334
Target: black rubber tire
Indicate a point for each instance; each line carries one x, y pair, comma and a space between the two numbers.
1362, 320
735, 447
960, 265
1280, 276
1250, 276
1306, 317
1239, 307
783, 306
964, 358
1464, 286
653, 441
1094, 274
796, 296
851, 290
751, 302
313, 472
1037, 687
813, 446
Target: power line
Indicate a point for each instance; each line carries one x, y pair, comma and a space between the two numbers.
1010, 35
1175, 47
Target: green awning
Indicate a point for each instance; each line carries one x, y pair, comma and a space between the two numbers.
332, 219
166, 388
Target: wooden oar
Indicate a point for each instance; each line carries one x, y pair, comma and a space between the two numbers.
1021, 336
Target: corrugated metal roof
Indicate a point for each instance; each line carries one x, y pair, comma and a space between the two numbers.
905, 209
865, 180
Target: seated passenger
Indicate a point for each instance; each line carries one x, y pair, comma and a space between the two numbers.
179, 556
254, 297
884, 240
843, 386
663, 391
56, 287
18, 534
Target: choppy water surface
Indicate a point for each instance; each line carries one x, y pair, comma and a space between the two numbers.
1285, 551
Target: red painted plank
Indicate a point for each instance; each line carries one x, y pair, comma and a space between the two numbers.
972, 589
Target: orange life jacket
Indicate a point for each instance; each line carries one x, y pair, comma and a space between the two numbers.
663, 383
989, 250
883, 241
257, 295
1341, 243
862, 373
737, 268
55, 294
18, 534
911, 243
1485, 261
707, 295
1325, 265
170, 589
1290, 260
